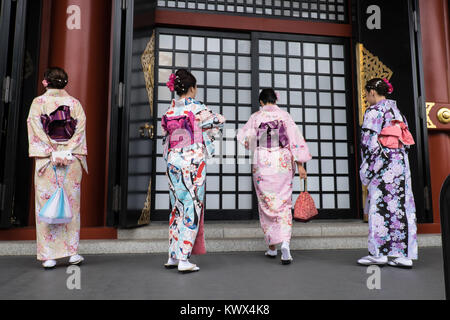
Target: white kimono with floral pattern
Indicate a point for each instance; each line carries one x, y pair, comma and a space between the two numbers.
57, 241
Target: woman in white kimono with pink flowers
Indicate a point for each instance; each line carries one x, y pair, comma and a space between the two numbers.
56, 123
278, 148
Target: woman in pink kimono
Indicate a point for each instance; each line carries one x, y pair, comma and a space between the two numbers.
56, 123
278, 148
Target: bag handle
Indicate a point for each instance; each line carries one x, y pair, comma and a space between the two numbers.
56, 175
305, 184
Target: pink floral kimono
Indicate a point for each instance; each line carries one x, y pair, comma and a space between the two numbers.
57, 241
278, 145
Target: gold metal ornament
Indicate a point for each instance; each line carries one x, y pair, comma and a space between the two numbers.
430, 124
369, 67
147, 131
148, 66
443, 115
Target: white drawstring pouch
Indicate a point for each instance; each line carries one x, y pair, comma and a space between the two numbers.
57, 209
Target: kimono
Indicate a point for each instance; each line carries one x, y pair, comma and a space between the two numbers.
386, 173
186, 172
55, 241
274, 166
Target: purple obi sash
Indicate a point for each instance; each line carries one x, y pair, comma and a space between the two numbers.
270, 132
180, 130
59, 125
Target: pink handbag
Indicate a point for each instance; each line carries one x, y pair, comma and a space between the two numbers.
305, 208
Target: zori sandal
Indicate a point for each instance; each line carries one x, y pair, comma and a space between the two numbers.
190, 269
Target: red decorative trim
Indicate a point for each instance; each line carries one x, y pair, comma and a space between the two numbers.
242, 23
429, 228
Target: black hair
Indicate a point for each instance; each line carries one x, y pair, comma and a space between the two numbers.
56, 77
268, 96
379, 85
184, 81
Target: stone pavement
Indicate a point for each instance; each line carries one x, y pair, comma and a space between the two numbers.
328, 274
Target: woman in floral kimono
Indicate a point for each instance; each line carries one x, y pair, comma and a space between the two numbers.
57, 122
278, 148
386, 172
188, 128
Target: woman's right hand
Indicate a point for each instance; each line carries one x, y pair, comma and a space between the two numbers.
58, 162
302, 172
61, 162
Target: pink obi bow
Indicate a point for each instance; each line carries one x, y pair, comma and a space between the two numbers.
181, 130
396, 135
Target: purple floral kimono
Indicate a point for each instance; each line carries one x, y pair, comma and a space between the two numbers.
386, 173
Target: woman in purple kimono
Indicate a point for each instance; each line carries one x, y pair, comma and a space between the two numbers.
385, 171
278, 148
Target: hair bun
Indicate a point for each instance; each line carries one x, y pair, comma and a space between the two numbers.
182, 73
184, 80
56, 77
382, 86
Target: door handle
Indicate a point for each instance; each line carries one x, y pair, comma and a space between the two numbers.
147, 131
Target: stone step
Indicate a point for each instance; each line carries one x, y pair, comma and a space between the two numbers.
99, 247
252, 230
225, 237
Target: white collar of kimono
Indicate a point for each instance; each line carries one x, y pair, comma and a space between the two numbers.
270, 107
56, 93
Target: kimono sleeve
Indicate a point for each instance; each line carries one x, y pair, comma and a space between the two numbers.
165, 140
297, 143
78, 143
211, 124
247, 134
370, 147
209, 120
39, 144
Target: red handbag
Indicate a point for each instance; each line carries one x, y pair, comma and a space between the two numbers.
305, 208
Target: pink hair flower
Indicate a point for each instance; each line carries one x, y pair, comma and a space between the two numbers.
391, 88
171, 83
278, 95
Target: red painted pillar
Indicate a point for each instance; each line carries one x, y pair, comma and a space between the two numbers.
80, 43
435, 24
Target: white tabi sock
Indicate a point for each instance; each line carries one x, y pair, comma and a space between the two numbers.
172, 262
285, 251
185, 264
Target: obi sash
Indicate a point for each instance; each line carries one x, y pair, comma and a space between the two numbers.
59, 125
396, 136
272, 134
180, 129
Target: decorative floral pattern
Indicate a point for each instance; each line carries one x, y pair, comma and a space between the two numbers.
273, 171
386, 172
57, 241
